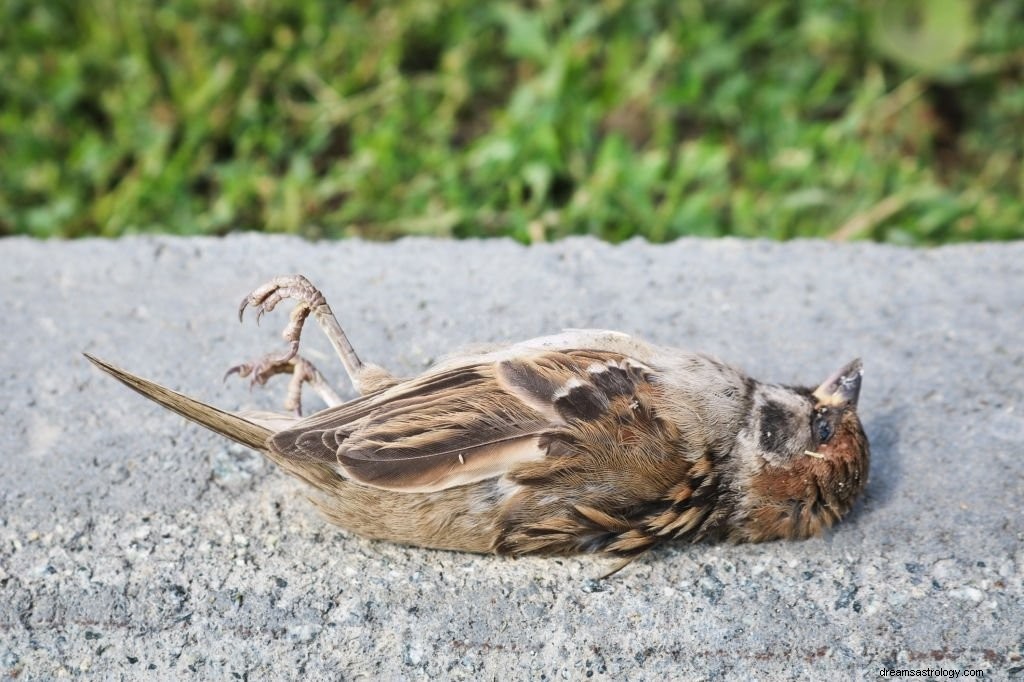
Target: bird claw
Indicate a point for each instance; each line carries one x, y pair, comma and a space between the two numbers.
264, 299
259, 372
268, 366
302, 371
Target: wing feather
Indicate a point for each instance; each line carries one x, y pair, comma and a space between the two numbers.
462, 424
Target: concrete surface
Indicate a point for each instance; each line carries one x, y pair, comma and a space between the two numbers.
135, 546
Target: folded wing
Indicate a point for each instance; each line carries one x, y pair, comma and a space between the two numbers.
464, 424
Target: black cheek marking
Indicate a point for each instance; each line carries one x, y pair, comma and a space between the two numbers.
775, 427
614, 381
581, 402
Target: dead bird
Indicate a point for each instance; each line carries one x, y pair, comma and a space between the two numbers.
585, 441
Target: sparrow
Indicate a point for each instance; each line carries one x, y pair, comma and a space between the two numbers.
584, 441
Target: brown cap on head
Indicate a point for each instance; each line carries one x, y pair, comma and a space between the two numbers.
842, 389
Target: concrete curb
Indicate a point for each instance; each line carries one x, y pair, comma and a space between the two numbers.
135, 546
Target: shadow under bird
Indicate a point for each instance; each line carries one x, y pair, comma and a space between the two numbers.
585, 441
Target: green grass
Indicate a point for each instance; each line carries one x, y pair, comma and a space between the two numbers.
534, 120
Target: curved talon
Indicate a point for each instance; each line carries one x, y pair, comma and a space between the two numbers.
309, 301
302, 372
260, 371
243, 370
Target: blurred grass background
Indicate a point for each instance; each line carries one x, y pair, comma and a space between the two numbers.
898, 121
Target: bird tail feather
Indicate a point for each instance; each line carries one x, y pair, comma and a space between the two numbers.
234, 427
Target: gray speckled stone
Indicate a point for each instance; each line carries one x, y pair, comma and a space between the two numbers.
135, 546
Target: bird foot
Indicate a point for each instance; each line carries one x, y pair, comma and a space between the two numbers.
302, 372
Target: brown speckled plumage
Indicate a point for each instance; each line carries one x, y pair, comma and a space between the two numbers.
587, 441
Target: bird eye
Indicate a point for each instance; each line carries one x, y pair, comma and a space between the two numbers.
822, 427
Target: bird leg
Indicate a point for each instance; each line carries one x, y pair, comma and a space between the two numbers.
364, 377
302, 371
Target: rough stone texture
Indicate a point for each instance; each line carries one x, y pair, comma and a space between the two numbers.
136, 546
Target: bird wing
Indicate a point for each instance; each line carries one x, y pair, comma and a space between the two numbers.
462, 424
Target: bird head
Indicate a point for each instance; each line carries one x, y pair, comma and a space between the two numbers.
801, 459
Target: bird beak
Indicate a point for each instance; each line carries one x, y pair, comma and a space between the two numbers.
842, 389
